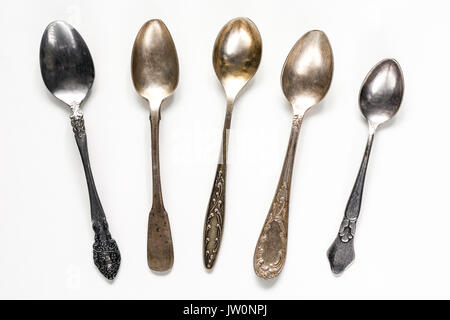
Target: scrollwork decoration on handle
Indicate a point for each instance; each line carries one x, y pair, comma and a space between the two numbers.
106, 253
215, 218
270, 252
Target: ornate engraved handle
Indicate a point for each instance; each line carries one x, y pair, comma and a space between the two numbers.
106, 252
270, 252
214, 220
159, 240
341, 253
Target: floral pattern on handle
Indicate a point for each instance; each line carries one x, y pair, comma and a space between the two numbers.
276, 225
215, 218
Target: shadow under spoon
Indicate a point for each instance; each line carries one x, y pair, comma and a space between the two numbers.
379, 100
68, 72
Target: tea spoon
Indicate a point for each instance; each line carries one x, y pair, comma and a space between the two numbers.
68, 73
154, 69
305, 80
236, 57
379, 100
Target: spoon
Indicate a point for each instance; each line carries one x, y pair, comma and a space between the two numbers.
68, 73
154, 69
236, 57
305, 80
379, 100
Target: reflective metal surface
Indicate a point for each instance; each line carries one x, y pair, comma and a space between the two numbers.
382, 92
68, 72
236, 57
66, 63
307, 71
380, 98
237, 54
154, 63
305, 80
154, 70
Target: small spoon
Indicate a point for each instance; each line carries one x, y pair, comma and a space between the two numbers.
305, 79
236, 57
68, 73
154, 69
379, 100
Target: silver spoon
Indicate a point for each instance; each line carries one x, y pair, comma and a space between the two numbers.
154, 69
305, 80
68, 73
379, 100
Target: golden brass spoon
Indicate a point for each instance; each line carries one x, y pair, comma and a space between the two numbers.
236, 57
305, 80
154, 69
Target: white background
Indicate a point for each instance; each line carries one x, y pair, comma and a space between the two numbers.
403, 234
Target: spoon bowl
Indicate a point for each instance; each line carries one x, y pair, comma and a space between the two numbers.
154, 62
382, 92
237, 54
307, 71
66, 63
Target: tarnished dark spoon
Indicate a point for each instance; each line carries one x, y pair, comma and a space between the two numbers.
379, 100
68, 73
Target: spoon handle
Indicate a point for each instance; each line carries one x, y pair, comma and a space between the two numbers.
270, 252
159, 240
341, 253
214, 220
106, 251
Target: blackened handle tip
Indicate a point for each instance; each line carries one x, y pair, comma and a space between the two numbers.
107, 257
340, 255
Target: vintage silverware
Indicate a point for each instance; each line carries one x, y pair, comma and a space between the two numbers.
154, 69
379, 100
305, 80
236, 57
68, 73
